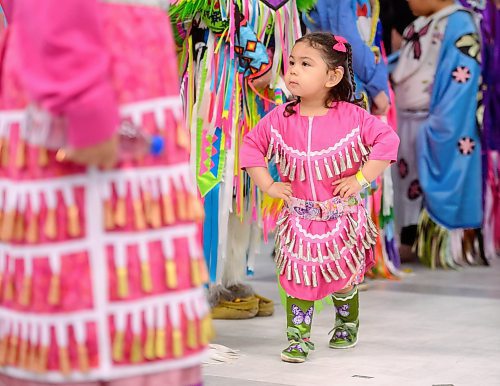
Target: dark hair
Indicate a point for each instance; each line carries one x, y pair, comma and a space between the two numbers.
345, 89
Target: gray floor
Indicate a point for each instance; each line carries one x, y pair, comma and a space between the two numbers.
432, 328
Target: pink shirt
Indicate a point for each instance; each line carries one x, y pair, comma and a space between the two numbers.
328, 135
69, 64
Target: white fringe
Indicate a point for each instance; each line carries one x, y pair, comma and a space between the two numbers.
238, 240
218, 354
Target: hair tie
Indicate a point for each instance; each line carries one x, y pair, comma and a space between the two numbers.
340, 45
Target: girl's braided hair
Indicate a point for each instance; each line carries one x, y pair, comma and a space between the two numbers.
345, 89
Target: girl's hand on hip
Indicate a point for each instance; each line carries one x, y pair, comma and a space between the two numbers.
281, 190
346, 186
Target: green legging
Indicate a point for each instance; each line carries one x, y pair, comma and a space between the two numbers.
299, 313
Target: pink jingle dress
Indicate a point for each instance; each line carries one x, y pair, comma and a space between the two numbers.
100, 272
324, 243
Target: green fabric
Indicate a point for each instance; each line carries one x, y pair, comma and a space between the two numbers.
291, 316
214, 20
384, 220
305, 5
345, 330
187, 9
433, 243
299, 315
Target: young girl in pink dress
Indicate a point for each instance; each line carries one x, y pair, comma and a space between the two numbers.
101, 271
328, 149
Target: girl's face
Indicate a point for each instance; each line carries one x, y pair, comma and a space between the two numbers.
308, 76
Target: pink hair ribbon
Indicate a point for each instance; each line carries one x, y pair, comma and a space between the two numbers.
340, 45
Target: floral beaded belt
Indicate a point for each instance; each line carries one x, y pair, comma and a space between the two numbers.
323, 210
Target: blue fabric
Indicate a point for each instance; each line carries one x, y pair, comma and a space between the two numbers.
392, 61
450, 180
251, 61
211, 231
339, 18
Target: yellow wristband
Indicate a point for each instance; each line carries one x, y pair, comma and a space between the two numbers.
362, 180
